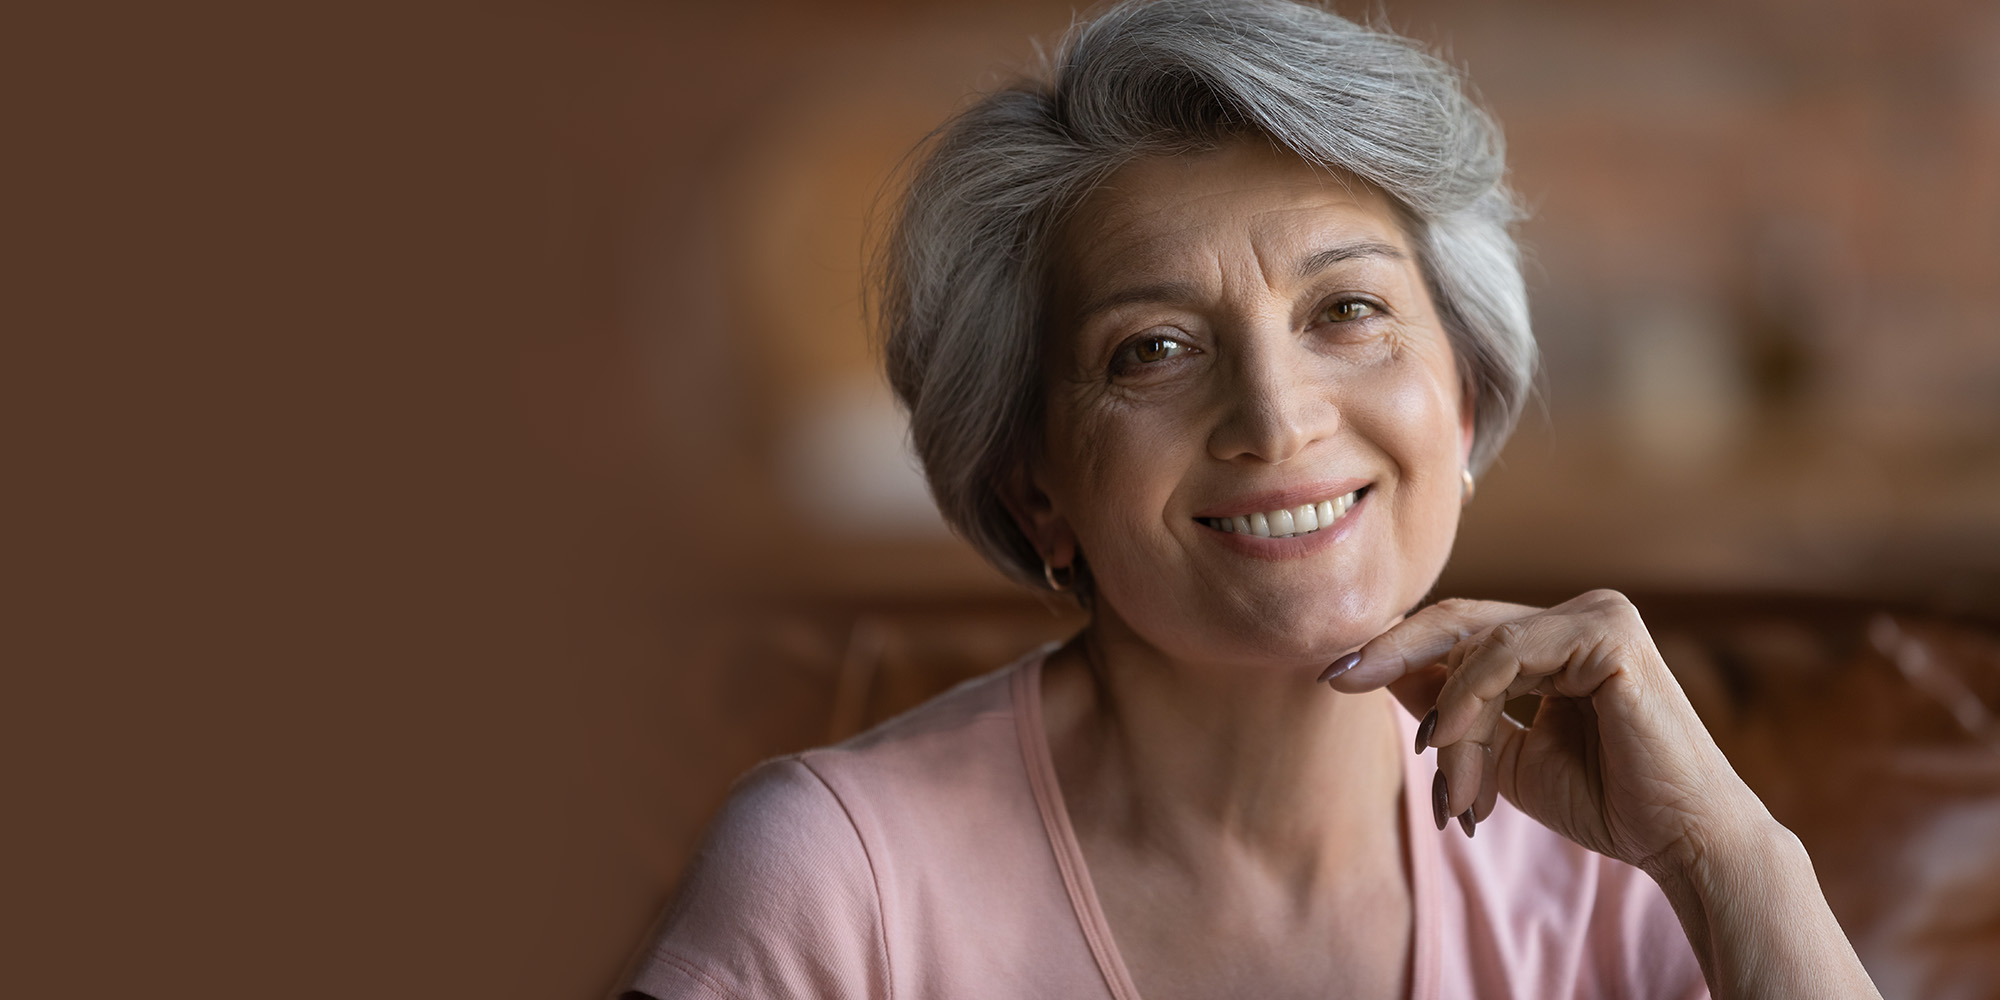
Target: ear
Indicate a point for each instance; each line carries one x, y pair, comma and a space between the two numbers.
1038, 516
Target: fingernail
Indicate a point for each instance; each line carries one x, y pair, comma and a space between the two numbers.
1466, 822
1440, 799
1424, 731
1340, 666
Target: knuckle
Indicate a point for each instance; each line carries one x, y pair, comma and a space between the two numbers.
1613, 610
1454, 607
1507, 634
1604, 597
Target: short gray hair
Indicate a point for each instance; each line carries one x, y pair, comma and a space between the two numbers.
963, 273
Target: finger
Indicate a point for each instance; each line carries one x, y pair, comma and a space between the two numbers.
1464, 767
1474, 766
1507, 762
1421, 640
1507, 742
1418, 690
1471, 724
1557, 779
1510, 660
1468, 762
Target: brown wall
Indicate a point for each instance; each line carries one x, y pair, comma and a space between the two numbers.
408, 407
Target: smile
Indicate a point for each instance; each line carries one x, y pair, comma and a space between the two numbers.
1286, 522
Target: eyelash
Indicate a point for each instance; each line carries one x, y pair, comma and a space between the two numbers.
1120, 365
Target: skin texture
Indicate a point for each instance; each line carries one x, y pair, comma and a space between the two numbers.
1233, 326
1281, 380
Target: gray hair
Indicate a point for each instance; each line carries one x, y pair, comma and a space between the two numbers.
963, 273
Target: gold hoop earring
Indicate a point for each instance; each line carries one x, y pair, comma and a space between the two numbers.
1049, 574
1467, 487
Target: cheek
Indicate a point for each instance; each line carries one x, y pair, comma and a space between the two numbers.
1427, 422
1420, 431
1414, 416
1125, 464
1114, 469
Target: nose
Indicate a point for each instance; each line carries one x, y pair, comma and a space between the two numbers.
1273, 405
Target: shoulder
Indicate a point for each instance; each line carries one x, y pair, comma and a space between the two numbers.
780, 826
798, 886
971, 727
944, 801
779, 901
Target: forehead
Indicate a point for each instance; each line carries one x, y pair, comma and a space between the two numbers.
1177, 215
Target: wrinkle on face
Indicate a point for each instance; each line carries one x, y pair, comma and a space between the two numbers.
1235, 255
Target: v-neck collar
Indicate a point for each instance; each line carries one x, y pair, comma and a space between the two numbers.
1421, 852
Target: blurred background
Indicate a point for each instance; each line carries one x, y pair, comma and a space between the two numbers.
446, 449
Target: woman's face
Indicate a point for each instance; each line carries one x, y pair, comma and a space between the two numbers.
1239, 337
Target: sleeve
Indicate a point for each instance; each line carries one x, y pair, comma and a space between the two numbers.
780, 901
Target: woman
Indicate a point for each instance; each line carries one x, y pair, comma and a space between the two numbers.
1212, 329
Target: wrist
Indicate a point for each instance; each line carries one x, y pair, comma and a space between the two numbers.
1734, 849
1746, 894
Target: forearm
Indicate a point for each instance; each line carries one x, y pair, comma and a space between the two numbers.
1753, 910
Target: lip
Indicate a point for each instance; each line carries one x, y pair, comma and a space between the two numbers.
1291, 496
1297, 546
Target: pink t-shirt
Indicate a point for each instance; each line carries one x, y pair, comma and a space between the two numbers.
933, 857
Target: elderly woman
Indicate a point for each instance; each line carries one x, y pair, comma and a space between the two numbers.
1213, 329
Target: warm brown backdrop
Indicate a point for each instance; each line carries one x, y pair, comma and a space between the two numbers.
442, 448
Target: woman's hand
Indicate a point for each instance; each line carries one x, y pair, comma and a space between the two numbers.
1615, 759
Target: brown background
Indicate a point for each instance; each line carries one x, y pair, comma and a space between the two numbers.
412, 409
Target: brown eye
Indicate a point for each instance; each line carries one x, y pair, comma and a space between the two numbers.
1148, 350
1348, 310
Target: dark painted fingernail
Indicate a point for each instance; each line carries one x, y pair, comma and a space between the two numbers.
1340, 666
1466, 822
1424, 731
1440, 799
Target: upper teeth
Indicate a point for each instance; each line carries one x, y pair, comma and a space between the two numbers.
1286, 521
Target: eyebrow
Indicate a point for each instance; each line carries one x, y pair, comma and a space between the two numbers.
1167, 291
1324, 259
1172, 290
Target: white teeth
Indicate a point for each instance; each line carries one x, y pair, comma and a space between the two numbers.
1298, 520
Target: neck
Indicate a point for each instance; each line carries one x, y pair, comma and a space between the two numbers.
1173, 755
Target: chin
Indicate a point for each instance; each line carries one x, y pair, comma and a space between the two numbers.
1301, 619
1290, 632
1317, 632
